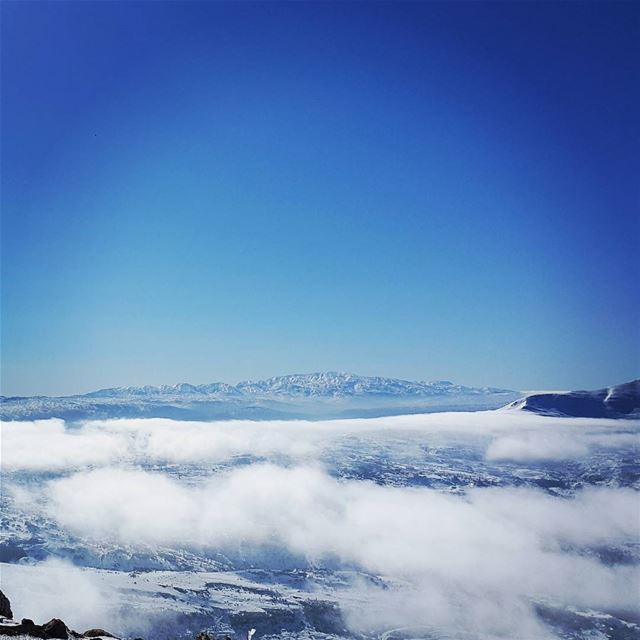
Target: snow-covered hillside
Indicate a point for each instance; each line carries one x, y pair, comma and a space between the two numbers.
620, 401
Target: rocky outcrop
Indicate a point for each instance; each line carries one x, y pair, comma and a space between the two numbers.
55, 628
5, 607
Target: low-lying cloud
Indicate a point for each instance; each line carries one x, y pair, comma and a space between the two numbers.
471, 561
52, 445
466, 553
56, 589
537, 446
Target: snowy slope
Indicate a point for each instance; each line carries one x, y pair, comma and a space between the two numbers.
620, 401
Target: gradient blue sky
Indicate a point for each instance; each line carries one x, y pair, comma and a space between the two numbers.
211, 191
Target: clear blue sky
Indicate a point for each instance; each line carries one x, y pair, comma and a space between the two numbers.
210, 191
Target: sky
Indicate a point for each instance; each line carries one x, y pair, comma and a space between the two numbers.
220, 191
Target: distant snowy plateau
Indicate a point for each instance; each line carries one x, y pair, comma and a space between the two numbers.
146, 512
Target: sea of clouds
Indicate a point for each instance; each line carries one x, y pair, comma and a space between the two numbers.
474, 561
50, 445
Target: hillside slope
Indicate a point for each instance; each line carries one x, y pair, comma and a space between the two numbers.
620, 401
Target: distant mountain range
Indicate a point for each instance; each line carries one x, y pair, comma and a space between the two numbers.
321, 385
315, 395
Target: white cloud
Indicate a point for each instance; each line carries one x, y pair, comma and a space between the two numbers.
471, 561
537, 446
52, 445
56, 589
468, 553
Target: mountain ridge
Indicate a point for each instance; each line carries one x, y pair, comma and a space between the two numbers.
318, 384
296, 396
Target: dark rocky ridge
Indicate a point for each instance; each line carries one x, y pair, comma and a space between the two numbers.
5, 607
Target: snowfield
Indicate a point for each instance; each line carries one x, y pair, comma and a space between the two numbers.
494, 524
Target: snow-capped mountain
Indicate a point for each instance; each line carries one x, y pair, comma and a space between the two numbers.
329, 384
180, 389
312, 395
334, 384
619, 401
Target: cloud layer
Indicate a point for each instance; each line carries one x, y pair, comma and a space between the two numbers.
52, 445
465, 553
472, 561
